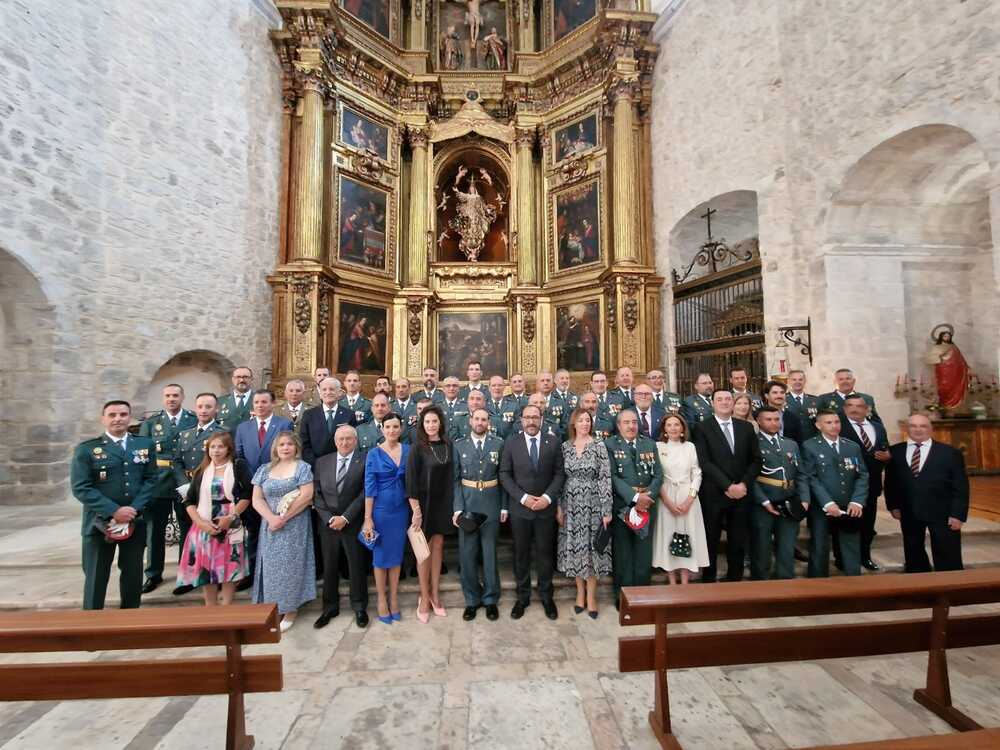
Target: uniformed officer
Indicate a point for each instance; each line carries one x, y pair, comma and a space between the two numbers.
803, 405
548, 427
370, 433
474, 372
430, 389
353, 400
518, 393
501, 405
320, 374
834, 400
163, 428
406, 407
461, 427
563, 392
114, 477
698, 406
604, 426
781, 500
293, 405
188, 457
235, 406
636, 476
624, 380
477, 490
738, 381
668, 401
383, 385
838, 485
608, 404
454, 407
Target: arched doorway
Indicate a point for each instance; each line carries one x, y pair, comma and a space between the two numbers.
718, 299
38, 433
196, 371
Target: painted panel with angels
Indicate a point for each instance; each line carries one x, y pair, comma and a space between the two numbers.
472, 35
472, 210
359, 132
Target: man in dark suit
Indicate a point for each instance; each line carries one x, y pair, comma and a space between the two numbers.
729, 455
834, 400
874, 443
339, 502
649, 413
319, 424
926, 489
532, 474
253, 444
790, 426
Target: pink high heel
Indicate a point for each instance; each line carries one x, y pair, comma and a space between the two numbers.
424, 617
439, 611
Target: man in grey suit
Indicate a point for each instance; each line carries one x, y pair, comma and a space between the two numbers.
339, 501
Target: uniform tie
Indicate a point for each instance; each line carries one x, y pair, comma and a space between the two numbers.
173, 421
121, 444
865, 441
915, 460
242, 400
659, 401
533, 452
200, 430
836, 447
635, 454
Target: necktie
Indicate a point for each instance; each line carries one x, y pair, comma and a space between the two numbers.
261, 432
533, 452
727, 430
602, 399
341, 472
915, 460
836, 447
798, 399
241, 400
329, 420
200, 430
173, 421
635, 454
479, 448
776, 442
645, 424
865, 441
659, 401
121, 444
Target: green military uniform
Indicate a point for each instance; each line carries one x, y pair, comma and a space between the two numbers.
632, 471
507, 411
190, 454
839, 476
436, 396
834, 401
165, 434
781, 484
453, 412
517, 402
557, 415
369, 435
627, 397
104, 478
671, 403
461, 429
805, 409
696, 408
609, 404
284, 409
231, 414
409, 415
569, 398
604, 426
362, 408
478, 490
482, 387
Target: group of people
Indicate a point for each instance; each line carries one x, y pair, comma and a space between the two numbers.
615, 480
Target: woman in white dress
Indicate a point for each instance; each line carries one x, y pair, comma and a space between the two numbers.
681, 511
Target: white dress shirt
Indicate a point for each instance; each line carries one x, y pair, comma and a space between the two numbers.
866, 427
925, 448
527, 444
265, 422
118, 440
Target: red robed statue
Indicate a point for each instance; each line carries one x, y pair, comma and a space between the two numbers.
951, 371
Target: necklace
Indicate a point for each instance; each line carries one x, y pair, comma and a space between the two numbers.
438, 458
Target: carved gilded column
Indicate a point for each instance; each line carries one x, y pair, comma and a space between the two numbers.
307, 200
625, 199
527, 261
416, 260
527, 35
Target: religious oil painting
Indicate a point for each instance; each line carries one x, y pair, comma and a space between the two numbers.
362, 224
472, 35
575, 138
359, 132
578, 333
464, 337
362, 338
577, 218
571, 14
375, 13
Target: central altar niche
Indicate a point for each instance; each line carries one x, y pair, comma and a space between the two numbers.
472, 199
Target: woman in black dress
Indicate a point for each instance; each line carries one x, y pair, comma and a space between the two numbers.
429, 481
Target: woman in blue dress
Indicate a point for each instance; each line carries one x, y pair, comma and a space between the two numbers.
286, 564
387, 512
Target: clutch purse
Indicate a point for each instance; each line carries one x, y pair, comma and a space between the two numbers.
602, 539
113, 531
418, 542
368, 541
286, 501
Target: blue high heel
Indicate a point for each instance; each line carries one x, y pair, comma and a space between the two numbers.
387, 619
397, 616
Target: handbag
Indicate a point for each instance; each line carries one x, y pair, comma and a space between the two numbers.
680, 543
368, 541
418, 542
286, 501
602, 538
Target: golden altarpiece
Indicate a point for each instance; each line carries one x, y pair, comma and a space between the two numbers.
465, 180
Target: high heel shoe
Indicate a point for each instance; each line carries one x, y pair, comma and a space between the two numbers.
592, 613
439, 611
424, 617
386, 619
577, 608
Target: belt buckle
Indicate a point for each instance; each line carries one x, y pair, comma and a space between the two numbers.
479, 485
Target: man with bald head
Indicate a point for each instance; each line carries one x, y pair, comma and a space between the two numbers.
319, 424
370, 433
454, 405
624, 380
670, 402
538, 400
604, 427
293, 405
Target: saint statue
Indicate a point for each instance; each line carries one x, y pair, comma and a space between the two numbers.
951, 371
473, 217
496, 50
474, 19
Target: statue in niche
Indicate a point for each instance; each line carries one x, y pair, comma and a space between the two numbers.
475, 20
496, 50
473, 214
951, 371
451, 50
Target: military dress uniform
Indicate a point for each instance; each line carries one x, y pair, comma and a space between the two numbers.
633, 470
461, 429
436, 396
506, 410
362, 408
518, 402
570, 398
696, 409
834, 401
453, 412
557, 415
231, 414
604, 426
805, 407
839, 476
478, 490
369, 435
409, 415
165, 434
292, 414
463, 392
104, 478
626, 396
782, 484
190, 453
671, 403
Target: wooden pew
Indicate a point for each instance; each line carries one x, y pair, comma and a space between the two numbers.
661, 606
162, 627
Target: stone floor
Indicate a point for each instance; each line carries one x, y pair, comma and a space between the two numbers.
451, 684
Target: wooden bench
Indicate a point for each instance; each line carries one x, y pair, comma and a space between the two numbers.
662, 605
162, 627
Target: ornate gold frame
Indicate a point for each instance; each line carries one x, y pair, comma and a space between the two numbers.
549, 24
552, 240
583, 298
334, 347
567, 122
394, 25
392, 137
390, 226
457, 307
436, 51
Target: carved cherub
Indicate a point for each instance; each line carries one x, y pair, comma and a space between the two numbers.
442, 237
486, 176
444, 203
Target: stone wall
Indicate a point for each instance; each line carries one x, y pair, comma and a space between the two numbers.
139, 164
784, 99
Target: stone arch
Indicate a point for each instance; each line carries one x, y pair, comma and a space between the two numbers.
38, 430
735, 220
197, 370
909, 243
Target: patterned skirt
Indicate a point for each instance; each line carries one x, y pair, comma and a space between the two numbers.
207, 559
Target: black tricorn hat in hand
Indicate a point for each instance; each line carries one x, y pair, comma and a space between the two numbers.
470, 522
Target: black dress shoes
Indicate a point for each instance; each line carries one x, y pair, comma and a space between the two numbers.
244, 584
550, 609
151, 584
181, 590
492, 613
517, 611
323, 619
469, 614
801, 556
869, 564
839, 564
361, 618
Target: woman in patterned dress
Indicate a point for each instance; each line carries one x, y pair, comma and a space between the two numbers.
215, 552
286, 563
585, 506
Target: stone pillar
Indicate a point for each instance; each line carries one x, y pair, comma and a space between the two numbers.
625, 202
527, 34
418, 25
416, 258
307, 199
527, 262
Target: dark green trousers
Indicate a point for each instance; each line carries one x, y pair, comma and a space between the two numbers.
632, 557
819, 546
157, 514
765, 527
480, 547
97, 558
